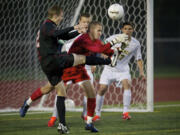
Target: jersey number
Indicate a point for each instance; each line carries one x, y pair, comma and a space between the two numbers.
37, 40
123, 54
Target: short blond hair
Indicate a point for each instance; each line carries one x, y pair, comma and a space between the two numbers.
87, 15
54, 10
92, 24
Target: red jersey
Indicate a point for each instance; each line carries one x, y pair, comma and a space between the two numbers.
85, 46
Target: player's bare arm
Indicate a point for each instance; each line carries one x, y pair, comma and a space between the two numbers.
141, 68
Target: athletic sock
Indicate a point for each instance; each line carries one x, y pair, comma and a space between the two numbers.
55, 114
93, 60
89, 119
126, 100
91, 104
36, 94
99, 104
85, 106
60, 104
29, 101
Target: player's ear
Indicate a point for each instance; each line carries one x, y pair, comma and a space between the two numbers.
88, 28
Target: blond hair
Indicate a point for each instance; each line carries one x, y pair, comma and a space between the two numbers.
54, 10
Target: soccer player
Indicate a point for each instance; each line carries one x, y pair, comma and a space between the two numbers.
83, 19
121, 72
52, 62
87, 44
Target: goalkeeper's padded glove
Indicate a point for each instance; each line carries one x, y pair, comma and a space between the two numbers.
121, 38
122, 51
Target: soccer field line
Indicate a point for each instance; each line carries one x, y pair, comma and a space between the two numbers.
150, 131
165, 106
40, 112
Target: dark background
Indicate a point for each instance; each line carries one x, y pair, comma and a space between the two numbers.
166, 35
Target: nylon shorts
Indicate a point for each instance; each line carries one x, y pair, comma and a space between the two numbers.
54, 65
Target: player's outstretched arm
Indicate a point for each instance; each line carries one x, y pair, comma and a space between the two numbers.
121, 38
98, 47
70, 32
65, 34
141, 69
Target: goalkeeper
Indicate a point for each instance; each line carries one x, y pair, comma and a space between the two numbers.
121, 72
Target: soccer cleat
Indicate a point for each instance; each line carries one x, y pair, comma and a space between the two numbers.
96, 118
90, 127
62, 129
24, 109
126, 116
114, 58
51, 122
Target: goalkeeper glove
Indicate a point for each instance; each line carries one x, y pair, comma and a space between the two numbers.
121, 38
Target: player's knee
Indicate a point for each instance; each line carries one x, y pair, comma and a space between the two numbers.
47, 88
79, 59
61, 92
61, 89
102, 90
126, 84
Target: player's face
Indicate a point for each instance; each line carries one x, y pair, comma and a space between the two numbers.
128, 29
59, 18
85, 20
97, 31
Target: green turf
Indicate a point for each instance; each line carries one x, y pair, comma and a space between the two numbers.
166, 72
163, 121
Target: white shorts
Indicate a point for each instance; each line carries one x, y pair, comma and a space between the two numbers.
108, 76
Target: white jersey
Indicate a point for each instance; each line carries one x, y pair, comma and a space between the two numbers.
133, 49
121, 70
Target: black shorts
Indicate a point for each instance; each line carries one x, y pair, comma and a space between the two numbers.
54, 65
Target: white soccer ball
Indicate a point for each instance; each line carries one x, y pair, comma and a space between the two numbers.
69, 103
115, 11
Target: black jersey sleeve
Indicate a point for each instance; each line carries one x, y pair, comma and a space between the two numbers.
73, 34
64, 34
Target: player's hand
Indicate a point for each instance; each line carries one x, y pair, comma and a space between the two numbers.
81, 28
142, 76
104, 56
121, 38
93, 69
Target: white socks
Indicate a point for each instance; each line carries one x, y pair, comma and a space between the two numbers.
29, 101
126, 100
55, 113
85, 106
100, 101
99, 104
89, 119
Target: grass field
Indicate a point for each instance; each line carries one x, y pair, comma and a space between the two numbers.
165, 120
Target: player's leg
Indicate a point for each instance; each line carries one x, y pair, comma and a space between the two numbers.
99, 101
54, 116
90, 60
60, 104
84, 113
91, 104
105, 80
89, 72
69, 60
126, 99
35, 95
